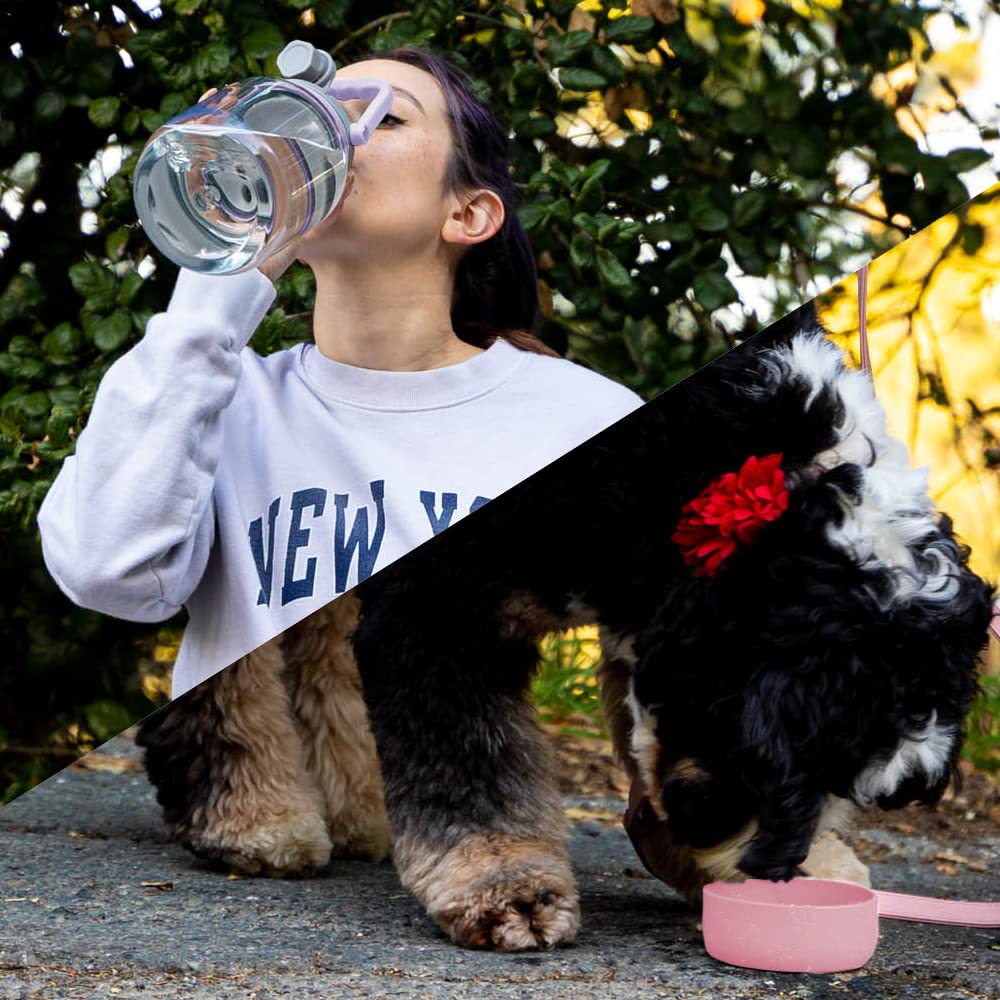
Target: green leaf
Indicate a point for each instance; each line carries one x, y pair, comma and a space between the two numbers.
131, 122
22, 346
713, 290
262, 41
211, 62
115, 243
747, 120
13, 80
591, 196
152, 120
106, 718
532, 126
112, 331
574, 78
95, 283
961, 160
563, 49
528, 77
782, 101
809, 155
533, 215
706, 216
131, 284
66, 396
672, 232
34, 405
561, 211
581, 251
629, 29
102, 111
607, 64
187, 7
49, 105
598, 168
64, 339
612, 272
748, 207
174, 104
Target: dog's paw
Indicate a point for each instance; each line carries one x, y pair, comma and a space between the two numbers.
295, 844
829, 857
499, 893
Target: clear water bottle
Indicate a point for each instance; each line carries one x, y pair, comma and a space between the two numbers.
227, 184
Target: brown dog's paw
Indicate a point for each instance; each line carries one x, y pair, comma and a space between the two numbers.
499, 893
292, 845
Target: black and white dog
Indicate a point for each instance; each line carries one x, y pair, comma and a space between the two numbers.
788, 623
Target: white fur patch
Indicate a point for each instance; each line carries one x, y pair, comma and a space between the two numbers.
927, 752
895, 514
645, 748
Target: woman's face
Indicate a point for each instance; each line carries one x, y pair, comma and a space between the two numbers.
399, 203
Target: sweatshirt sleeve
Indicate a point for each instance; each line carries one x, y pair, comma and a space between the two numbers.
128, 523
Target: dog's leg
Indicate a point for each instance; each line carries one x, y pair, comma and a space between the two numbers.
229, 770
478, 828
333, 723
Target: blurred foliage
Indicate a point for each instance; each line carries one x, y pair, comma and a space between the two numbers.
982, 742
663, 150
565, 689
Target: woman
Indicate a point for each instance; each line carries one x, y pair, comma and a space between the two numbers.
255, 490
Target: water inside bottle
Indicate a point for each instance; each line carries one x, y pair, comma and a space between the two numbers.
214, 198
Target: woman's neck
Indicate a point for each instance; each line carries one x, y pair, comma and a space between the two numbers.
386, 321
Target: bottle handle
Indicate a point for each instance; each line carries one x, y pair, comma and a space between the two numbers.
303, 61
380, 92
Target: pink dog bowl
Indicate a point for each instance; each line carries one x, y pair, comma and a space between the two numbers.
815, 925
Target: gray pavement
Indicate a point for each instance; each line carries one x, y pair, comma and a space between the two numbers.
76, 920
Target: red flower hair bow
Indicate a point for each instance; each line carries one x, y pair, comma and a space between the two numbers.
730, 511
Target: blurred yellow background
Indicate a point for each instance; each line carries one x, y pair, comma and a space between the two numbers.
934, 339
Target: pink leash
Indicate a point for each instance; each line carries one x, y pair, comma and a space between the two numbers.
927, 910
866, 367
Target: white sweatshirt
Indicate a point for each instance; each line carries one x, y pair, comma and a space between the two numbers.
255, 490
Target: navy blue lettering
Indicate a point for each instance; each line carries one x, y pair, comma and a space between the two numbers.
343, 552
449, 504
292, 589
265, 566
478, 502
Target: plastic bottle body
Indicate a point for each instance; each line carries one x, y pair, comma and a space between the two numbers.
226, 184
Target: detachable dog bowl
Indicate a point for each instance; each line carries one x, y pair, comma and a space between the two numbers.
815, 925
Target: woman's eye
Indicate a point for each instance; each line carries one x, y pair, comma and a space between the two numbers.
392, 118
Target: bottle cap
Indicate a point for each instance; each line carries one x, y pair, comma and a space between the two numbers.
303, 61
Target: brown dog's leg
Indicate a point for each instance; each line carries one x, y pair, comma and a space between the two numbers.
478, 827
510, 888
332, 719
229, 769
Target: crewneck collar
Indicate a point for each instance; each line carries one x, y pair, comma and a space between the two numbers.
417, 390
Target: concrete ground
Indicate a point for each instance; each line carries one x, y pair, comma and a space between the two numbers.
95, 902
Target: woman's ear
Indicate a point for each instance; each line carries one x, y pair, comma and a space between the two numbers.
473, 218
